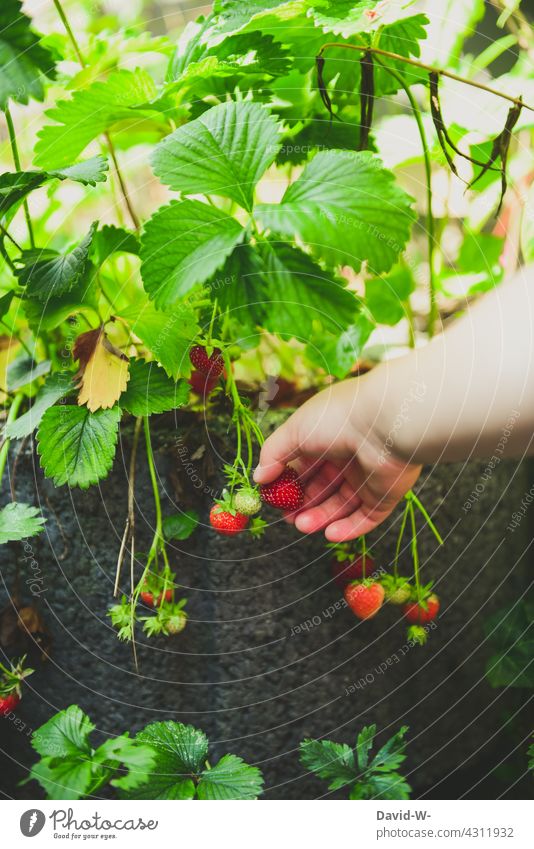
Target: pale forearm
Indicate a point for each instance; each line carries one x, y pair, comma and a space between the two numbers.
471, 390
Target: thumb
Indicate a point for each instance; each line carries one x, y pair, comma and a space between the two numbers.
277, 450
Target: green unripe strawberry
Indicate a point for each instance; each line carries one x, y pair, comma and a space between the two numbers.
247, 501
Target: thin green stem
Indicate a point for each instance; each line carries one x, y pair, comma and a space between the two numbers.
8, 235
153, 478
413, 497
431, 241
12, 415
399, 540
415, 552
364, 556
125, 194
16, 161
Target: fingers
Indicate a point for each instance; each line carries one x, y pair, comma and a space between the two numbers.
277, 451
339, 505
361, 521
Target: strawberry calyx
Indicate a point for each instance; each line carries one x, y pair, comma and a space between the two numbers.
12, 678
417, 634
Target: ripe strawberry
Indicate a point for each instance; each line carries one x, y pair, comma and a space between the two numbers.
364, 599
212, 366
285, 492
247, 501
148, 598
202, 384
346, 571
423, 612
227, 523
8, 703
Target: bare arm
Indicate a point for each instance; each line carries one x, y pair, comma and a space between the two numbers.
359, 445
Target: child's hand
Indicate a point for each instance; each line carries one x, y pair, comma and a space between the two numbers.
352, 480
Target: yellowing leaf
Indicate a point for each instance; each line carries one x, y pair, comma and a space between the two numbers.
103, 372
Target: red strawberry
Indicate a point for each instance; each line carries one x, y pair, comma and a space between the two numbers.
212, 365
227, 523
202, 383
364, 599
418, 614
285, 492
345, 571
148, 598
8, 703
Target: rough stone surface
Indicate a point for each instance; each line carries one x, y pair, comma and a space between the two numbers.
270, 654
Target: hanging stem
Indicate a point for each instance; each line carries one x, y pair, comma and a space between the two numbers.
12, 415
16, 161
111, 148
399, 540
430, 68
433, 310
364, 556
8, 235
413, 497
415, 553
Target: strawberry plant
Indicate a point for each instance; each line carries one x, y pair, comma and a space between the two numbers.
265, 216
10, 685
375, 777
166, 760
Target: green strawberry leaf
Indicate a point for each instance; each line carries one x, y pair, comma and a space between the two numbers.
91, 112
65, 735
391, 755
24, 370
15, 186
24, 62
230, 778
347, 207
68, 779
224, 152
180, 753
19, 521
300, 295
55, 387
184, 243
49, 277
149, 390
77, 447
337, 355
110, 240
364, 744
168, 335
385, 297
134, 761
332, 761
180, 525
390, 785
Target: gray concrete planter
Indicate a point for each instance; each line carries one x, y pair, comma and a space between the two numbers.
270, 654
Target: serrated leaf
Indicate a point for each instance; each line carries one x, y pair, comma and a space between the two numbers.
91, 112
347, 207
103, 371
150, 390
180, 752
89, 172
230, 778
65, 735
25, 370
224, 152
300, 294
364, 743
338, 354
332, 761
232, 16
19, 521
63, 780
46, 277
76, 446
55, 387
391, 755
390, 785
24, 62
110, 240
180, 525
168, 335
184, 243
16, 185
385, 297
133, 759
